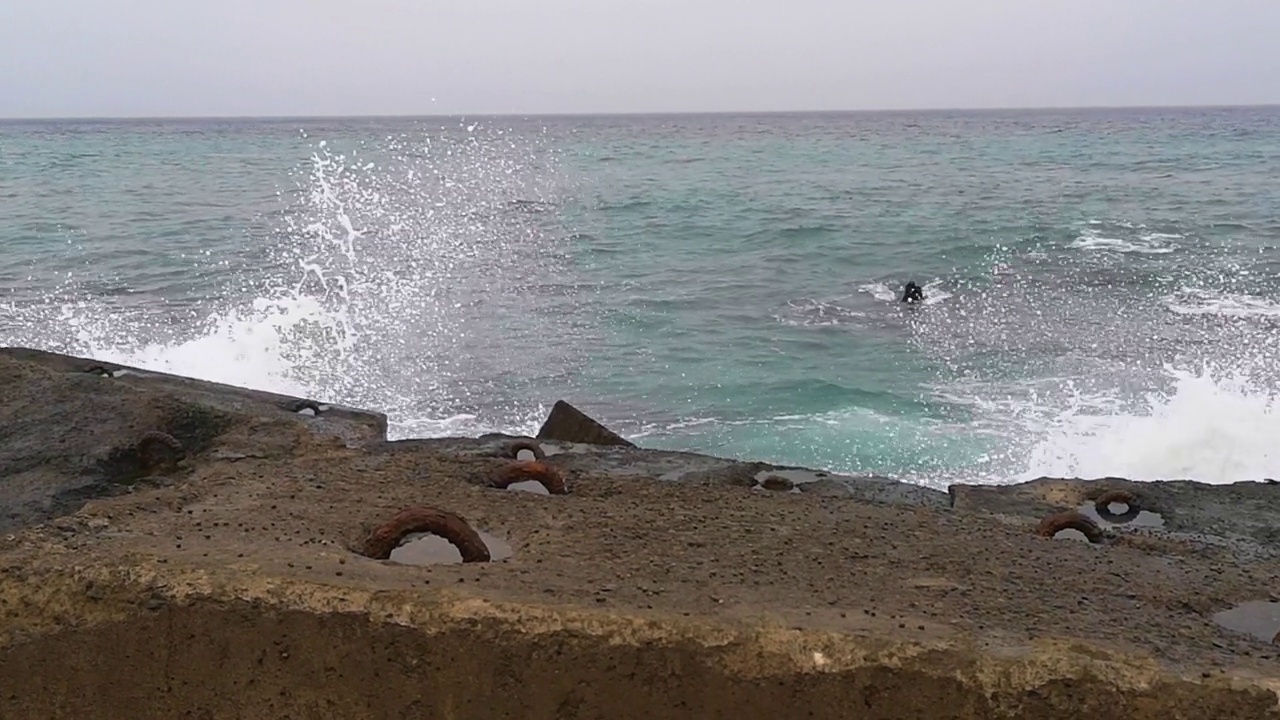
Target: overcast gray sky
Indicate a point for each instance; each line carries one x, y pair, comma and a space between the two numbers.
68, 58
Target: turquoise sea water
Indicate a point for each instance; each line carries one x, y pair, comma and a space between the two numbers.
1102, 290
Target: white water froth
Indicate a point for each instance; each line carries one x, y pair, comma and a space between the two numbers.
1147, 244
1196, 301
1210, 426
817, 313
248, 346
933, 294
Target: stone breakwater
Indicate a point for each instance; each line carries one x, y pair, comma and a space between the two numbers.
173, 548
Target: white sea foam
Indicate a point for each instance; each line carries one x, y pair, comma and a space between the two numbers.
257, 346
933, 293
1208, 426
1197, 301
1150, 244
816, 313
879, 291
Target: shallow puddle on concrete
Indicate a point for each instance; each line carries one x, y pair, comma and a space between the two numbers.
428, 549
1070, 534
1257, 618
797, 477
531, 486
1120, 515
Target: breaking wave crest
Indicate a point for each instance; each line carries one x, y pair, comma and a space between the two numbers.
1209, 425
1100, 370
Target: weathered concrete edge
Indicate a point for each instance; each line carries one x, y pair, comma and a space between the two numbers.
290, 403
77, 598
862, 487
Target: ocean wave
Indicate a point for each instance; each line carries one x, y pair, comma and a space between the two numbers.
1149, 244
816, 313
1208, 425
1211, 426
851, 439
1197, 301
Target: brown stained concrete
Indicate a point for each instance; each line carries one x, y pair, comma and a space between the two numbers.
228, 588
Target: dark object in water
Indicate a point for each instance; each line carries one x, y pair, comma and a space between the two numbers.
912, 293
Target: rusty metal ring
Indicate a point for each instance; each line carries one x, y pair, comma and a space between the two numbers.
513, 449
1102, 505
533, 470
454, 528
1069, 520
159, 451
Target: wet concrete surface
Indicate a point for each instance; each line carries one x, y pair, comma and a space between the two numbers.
1258, 618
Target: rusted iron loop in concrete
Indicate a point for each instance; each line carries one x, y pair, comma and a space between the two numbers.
1104, 501
1069, 520
159, 452
423, 519
532, 470
300, 405
514, 447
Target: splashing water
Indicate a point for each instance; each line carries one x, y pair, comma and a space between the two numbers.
391, 281
1212, 426
422, 271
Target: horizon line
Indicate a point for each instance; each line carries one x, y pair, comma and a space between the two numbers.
646, 113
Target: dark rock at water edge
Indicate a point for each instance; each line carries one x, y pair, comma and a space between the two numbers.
74, 429
569, 424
